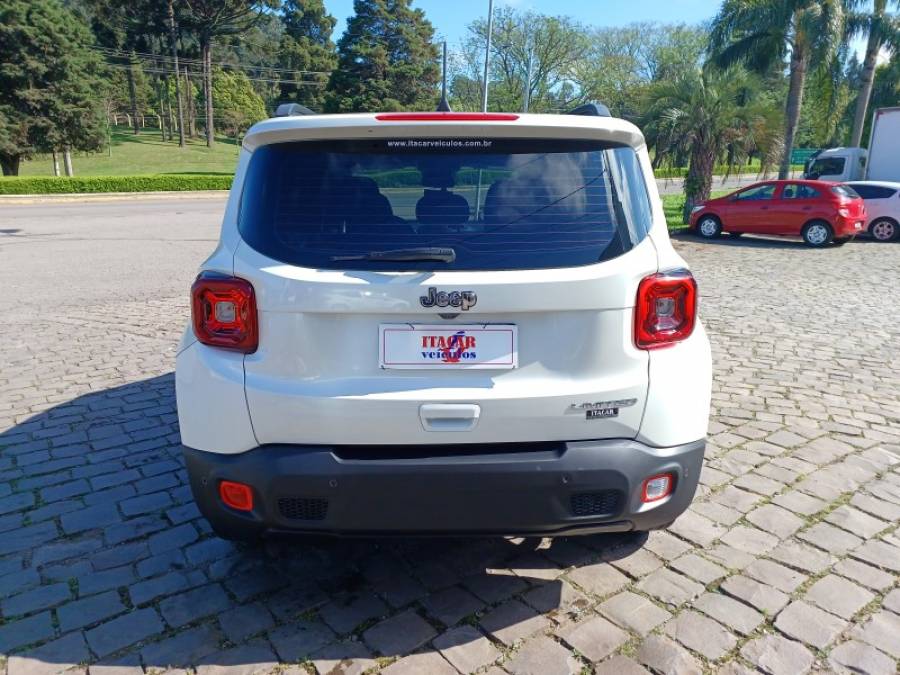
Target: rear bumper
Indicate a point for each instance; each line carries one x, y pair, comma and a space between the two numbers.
580, 487
848, 227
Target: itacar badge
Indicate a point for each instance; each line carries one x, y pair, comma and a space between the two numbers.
601, 412
600, 409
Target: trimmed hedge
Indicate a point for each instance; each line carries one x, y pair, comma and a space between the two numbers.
719, 171
38, 185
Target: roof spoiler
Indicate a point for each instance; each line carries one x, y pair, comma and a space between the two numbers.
591, 109
292, 109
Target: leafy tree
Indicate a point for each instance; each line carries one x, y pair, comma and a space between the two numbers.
674, 48
49, 82
386, 60
256, 52
611, 69
553, 44
761, 33
136, 26
886, 92
711, 115
826, 101
306, 48
237, 103
212, 19
881, 31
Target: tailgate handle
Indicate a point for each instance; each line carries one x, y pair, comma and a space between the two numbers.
449, 416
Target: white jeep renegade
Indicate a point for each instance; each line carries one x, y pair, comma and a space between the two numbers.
443, 323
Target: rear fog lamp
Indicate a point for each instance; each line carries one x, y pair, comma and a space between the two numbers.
236, 495
657, 487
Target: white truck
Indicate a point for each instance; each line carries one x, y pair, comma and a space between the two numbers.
881, 162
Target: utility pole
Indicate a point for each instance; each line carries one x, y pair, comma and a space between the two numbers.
528, 77
444, 105
487, 55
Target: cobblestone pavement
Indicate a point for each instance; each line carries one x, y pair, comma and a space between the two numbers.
787, 562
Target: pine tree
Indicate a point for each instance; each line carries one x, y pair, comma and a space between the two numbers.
49, 82
213, 19
386, 60
307, 49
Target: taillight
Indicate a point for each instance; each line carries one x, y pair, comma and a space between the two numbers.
666, 309
223, 310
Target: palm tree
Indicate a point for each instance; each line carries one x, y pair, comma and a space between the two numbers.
709, 115
762, 33
882, 31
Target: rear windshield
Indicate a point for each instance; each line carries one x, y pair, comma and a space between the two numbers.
845, 191
497, 204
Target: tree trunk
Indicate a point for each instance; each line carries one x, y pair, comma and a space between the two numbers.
10, 164
865, 89
55, 164
167, 107
161, 116
207, 91
190, 104
792, 109
132, 92
698, 183
173, 40
67, 161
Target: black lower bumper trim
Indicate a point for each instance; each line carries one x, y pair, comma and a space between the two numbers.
579, 487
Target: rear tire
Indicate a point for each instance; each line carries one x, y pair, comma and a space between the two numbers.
817, 234
709, 227
884, 229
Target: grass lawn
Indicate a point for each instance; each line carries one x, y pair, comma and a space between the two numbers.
673, 205
144, 154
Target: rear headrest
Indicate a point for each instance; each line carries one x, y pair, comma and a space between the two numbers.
440, 207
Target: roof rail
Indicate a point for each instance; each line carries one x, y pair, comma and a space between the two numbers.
592, 109
292, 109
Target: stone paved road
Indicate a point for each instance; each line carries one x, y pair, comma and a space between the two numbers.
787, 562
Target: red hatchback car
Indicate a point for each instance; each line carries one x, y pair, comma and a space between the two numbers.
820, 212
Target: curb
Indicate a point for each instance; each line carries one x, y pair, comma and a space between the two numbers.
63, 198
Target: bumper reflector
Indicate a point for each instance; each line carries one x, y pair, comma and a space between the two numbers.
657, 487
236, 495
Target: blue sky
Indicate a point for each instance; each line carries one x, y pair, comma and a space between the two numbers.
450, 17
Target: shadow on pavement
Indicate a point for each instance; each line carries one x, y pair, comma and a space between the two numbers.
104, 560
760, 241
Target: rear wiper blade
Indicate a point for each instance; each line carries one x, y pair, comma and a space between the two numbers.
447, 255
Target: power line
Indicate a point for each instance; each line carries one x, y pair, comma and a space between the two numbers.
196, 75
121, 53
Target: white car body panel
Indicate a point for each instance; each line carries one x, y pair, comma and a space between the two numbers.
882, 208
212, 408
315, 377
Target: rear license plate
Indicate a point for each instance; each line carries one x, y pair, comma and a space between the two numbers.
413, 346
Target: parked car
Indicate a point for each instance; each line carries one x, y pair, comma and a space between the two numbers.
443, 323
820, 212
882, 200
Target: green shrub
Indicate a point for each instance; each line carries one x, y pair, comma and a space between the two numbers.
39, 185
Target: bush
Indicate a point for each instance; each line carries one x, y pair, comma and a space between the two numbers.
40, 185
